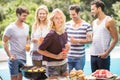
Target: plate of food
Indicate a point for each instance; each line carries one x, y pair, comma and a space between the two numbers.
77, 75
103, 74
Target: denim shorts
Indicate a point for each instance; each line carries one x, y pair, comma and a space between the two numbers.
15, 65
77, 63
56, 70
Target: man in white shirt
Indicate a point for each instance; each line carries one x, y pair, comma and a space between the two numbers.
105, 37
16, 34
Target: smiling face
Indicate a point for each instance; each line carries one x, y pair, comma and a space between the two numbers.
22, 13
94, 11
58, 20
74, 15
42, 15
22, 17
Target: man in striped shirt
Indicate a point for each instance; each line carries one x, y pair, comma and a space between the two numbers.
79, 33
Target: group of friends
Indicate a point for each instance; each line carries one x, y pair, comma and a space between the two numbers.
61, 44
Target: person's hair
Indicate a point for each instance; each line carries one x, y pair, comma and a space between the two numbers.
51, 23
98, 3
75, 7
21, 9
37, 20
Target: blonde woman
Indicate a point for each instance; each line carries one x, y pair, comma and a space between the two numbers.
39, 31
53, 44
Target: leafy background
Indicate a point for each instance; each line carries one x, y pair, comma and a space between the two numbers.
8, 7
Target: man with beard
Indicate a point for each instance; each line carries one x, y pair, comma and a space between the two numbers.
79, 33
16, 34
105, 37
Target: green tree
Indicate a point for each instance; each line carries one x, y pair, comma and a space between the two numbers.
9, 13
116, 8
7, 10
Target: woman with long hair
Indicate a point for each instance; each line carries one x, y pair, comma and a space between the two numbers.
39, 31
53, 45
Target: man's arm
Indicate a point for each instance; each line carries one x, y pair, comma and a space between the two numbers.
113, 31
82, 41
5, 45
87, 40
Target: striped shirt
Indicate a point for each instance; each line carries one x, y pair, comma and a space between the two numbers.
77, 50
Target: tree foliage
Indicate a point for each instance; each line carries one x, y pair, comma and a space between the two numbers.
116, 8
9, 15
8, 7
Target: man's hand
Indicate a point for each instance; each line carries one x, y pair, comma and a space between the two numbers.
103, 55
73, 40
12, 57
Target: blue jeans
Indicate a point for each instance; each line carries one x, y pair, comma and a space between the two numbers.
15, 65
99, 63
77, 63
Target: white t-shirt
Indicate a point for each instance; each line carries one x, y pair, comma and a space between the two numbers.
101, 37
18, 38
37, 34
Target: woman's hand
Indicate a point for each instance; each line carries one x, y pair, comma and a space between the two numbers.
67, 47
40, 40
27, 47
62, 55
35, 40
64, 52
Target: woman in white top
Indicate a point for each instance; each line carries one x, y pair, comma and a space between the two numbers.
39, 31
